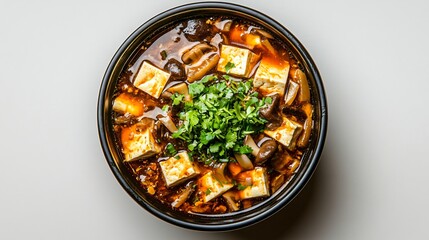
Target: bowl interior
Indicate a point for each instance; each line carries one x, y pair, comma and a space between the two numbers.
204, 221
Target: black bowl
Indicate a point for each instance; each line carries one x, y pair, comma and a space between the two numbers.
219, 222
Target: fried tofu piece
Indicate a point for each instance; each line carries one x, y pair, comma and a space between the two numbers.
259, 187
151, 79
287, 133
178, 169
240, 60
138, 141
125, 103
271, 76
211, 188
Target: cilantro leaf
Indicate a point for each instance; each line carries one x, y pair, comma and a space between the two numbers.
177, 98
171, 150
229, 66
241, 187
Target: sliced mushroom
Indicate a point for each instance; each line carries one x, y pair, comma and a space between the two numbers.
263, 33
274, 124
248, 140
184, 195
304, 90
269, 113
293, 166
244, 161
277, 182
166, 94
224, 25
294, 111
197, 72
291, 93
231, 200
267, 150
225, 39
268, 46
196, 52
281, 162
181, 88
219, 173
269, 110
196, 29
168, 123
176, 69
308, 124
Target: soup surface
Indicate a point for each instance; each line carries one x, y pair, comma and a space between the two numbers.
212, 115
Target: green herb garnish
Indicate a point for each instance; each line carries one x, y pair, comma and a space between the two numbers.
165, 108
229, 66
208, 191
222, 113
171, 150
241, 187
177, 98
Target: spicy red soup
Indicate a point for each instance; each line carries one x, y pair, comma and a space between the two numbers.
212, 115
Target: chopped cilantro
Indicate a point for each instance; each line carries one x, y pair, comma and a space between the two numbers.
229, 66
268, 100
195, 88
177, 98
222, 112
208, 191
165, 108
171, 150
241, 187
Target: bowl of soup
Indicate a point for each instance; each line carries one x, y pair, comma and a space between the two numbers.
212, 116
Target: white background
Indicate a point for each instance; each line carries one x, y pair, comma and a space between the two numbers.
372, 181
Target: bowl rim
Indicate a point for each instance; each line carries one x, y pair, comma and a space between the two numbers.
312, 162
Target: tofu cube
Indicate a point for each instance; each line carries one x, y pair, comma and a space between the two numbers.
243, 60
287, 133
138, 141
210, 187
125, 103
259, 187
178, 169
151, 79
271, 76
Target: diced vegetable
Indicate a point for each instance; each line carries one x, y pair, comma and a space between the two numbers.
304, 90
234, 168
181, 88
183, 196
292, 91
244, 161
219, 172
248, 140
231, 200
